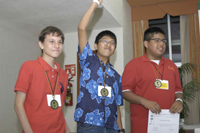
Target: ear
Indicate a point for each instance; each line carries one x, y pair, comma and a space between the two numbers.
145, 43
41, 45
95, 46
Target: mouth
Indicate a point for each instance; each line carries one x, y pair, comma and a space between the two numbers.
108, 49
161, 49
56, 51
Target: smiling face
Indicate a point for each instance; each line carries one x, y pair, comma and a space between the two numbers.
154, 50
105, 47
52, 46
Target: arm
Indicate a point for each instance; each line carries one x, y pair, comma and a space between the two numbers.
82, 27
19, 109
133, 98
67, 130
119, 121
177, 106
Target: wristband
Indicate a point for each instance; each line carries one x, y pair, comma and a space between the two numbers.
99, 5
96, 2
121, 130
179, 99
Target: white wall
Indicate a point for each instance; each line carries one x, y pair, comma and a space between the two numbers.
17, 46
70, 51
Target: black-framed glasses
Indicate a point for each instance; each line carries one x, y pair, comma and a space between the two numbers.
158, 40
106, 42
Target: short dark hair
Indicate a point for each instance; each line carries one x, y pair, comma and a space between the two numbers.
149, 33
51, 29
106, 33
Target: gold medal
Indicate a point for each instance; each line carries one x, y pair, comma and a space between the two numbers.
157, 83
54, 104
104, 92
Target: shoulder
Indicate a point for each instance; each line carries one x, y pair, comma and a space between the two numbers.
169, 62
29, 64
62, 72
135, 62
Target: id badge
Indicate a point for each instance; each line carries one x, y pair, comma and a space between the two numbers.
104, 91
165, 84
50, 98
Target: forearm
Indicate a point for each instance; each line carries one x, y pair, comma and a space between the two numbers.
20, 111
82, 27
119, 121
133, 98
86, 18
179, 95
67, 128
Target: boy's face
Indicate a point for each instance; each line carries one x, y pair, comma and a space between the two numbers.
105, 47
155, 47
52, 46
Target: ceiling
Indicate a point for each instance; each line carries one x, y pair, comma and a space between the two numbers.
135, 3
34, 15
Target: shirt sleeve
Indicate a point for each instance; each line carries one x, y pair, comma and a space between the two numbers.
120, 96
24, 78
86, 55
128, 78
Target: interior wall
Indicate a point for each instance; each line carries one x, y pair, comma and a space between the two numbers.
17, 46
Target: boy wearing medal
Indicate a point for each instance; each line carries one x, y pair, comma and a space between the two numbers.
151, 82
41, 88
97, 109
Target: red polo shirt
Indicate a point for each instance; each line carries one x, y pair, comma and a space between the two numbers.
139, 78
33, 81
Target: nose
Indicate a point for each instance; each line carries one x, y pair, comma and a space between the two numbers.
109, 43
56, 44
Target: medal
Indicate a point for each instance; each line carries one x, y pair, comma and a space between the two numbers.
54, 104
104, 92
157, 83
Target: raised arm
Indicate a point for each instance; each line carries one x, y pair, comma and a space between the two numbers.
82, 27
19, 109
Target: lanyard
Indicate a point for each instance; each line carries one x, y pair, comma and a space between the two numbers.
55, 87
159, 72
103, 73
157, 76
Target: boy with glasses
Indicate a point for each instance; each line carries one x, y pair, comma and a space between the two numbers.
97, 109
151, 82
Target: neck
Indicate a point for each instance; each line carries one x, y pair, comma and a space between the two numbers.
152, 57
104, 59
50, 61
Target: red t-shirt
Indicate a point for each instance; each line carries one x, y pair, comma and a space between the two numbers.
139, 78
33, 81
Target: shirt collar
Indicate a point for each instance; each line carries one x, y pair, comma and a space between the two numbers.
144, 58
108, 65
46, 66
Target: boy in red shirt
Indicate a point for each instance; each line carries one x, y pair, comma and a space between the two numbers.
41, 88
151, 82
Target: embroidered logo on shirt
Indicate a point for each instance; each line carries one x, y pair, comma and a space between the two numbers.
62, 88
171, 68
